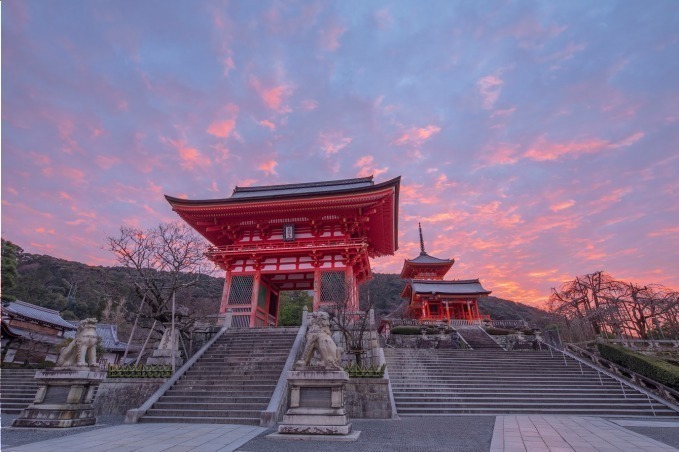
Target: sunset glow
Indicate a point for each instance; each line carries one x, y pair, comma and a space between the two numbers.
536, 141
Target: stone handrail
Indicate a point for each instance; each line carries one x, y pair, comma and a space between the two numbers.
133, 415
612, 375
278, 401
509, 323
666, 393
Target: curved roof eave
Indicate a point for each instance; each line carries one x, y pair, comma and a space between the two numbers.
197, 202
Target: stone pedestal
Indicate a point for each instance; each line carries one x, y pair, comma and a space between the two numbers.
316, 403
166, 348
64, 399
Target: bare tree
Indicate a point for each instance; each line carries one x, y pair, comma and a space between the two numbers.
352, 325
162, 261
614, 306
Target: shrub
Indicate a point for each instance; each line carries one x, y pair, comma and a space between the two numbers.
130, 371
406, 329
498, 331
361, 371
655, 369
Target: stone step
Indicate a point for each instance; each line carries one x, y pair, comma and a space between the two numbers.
608, 412
211, 406
232, 382
198, 399
200, 420
188, 412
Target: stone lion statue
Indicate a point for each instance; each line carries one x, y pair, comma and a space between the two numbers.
320, 349
82, 351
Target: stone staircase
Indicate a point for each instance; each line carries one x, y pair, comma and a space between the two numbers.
477, 338
17, 389
231, 383
450, 382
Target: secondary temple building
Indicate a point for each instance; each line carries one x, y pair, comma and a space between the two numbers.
312, 236
430, 297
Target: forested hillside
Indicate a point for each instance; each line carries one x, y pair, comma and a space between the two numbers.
79, 291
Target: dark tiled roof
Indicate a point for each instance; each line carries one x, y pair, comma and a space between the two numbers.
108, 335
427, 259
38, 313
310, 187
459, 287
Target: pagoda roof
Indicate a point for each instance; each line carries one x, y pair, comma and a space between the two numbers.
304, 188
327, 200
37, 313
286, 191
455, 287
426, 259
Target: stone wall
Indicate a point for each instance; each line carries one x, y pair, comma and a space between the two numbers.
117, 395
449, 341
368, 398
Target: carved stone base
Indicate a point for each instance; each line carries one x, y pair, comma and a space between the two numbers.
64, 398
315, 429
316, 403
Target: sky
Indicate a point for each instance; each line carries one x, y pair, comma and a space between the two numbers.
536, 141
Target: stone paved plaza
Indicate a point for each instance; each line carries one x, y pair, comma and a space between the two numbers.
454, 433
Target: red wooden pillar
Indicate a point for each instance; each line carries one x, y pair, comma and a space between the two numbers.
225, 293
253, 299
350, 286
317, 288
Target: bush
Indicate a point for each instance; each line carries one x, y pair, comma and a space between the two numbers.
140, 371
655, 369
362, 371
498, 331
405, 329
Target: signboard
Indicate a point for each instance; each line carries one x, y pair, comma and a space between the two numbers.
288, 232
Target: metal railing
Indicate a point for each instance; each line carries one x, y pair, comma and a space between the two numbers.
666, 393
600, 371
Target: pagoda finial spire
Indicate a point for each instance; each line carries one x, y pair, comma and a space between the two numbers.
422, 252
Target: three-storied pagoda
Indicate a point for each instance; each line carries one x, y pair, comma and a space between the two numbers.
312, 236
430, 297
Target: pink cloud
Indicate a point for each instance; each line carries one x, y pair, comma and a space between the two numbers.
40, 159
268, 124
366, 165
490, 87
330, 37
222, 129
664, 232
545, 150
269, 167
73, 175
190, 157
417, 135
333, 141
273, 97
562, 205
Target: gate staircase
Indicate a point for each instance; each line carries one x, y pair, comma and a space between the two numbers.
449, 382
477, 338
17, 389
231, 383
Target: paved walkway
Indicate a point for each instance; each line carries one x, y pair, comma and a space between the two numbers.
152, 438
568, 433
455, 433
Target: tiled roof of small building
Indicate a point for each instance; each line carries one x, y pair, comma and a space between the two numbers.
37, 313
424, 258
458, 287
108, 334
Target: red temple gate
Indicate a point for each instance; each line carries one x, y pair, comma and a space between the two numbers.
313, 236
